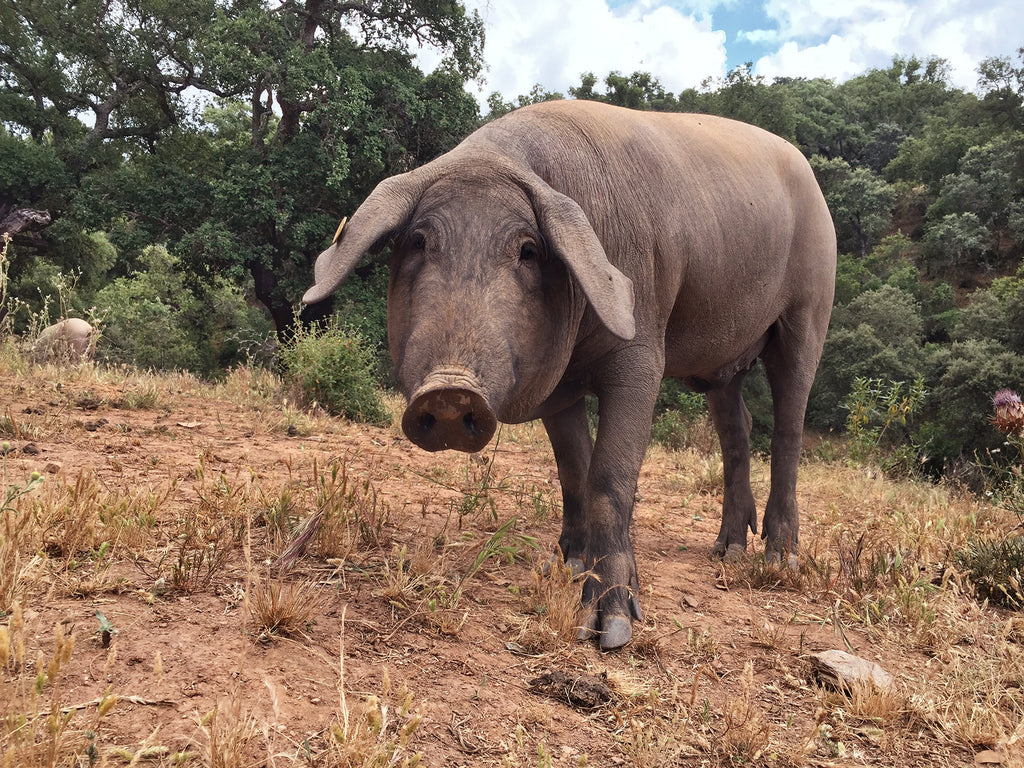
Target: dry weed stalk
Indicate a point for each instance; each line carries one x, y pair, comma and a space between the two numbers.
19, 532
228, 731
349, 517
36, 730
375, 731
205, 536
745, 737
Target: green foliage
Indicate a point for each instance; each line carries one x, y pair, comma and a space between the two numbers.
156, 319
891, 262
497, 106
958, 408
940, 312
318, 101
860, 201
996, 568
333, 366
876, 336
988, 179
677, 412
956, 240
1003, 85
361, 304
878, 414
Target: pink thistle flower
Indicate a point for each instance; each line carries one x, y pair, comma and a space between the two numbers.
1009, 417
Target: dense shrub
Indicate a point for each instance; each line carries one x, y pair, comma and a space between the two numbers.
154, 319
958, 408
333, 366
681, 417
361, 303
875, 336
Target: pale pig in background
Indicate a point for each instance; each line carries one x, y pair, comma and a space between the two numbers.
574, 247
70, 340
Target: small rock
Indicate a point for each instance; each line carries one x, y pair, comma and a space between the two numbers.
52, 467
31, 449
841, 670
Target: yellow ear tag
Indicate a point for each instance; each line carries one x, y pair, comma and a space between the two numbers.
337, 232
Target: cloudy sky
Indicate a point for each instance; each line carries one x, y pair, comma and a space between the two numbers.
682, 42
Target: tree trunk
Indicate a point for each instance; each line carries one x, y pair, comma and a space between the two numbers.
23, 220
270, 295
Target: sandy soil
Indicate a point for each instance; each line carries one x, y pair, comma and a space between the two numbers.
176, 655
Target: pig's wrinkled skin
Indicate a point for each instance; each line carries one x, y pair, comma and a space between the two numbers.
574, 247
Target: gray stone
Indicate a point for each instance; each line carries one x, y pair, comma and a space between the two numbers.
841, 670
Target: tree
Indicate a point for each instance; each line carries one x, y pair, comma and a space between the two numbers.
1003, 86
860, 201
877, 335
989, 179
320, 100
497, 106
956, 240
744, 96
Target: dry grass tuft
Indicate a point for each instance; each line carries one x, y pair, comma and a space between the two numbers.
37, 730
18, 534
552, 608
284, 608
374, 731
229, 730
745, 737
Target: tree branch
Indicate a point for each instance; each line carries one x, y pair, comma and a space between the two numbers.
24, 220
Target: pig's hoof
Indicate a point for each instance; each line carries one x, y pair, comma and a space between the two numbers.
732, 553
775, 558
573, 564
614, 632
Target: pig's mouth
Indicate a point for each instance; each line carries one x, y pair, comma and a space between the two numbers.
449, 411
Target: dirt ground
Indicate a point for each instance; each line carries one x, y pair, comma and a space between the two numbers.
175, 655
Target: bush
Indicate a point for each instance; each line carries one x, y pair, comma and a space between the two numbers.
155, 319
996, 568
878, 414
681, 418
333, 366
960, 400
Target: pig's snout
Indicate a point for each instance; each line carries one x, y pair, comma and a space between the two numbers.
449, 412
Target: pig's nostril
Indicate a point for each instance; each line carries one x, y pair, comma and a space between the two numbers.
443, 418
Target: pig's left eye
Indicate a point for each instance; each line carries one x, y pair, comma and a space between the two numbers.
418, 242
528, 252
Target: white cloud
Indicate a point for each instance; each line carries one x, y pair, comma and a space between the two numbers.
843, 40
553, 42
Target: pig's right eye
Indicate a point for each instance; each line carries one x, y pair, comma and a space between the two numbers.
418, 242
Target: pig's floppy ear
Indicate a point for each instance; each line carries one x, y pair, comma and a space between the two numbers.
573, 240
377, 219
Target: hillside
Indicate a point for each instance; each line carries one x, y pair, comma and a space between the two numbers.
417, 620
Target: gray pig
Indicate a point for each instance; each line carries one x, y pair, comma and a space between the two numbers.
575, 247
